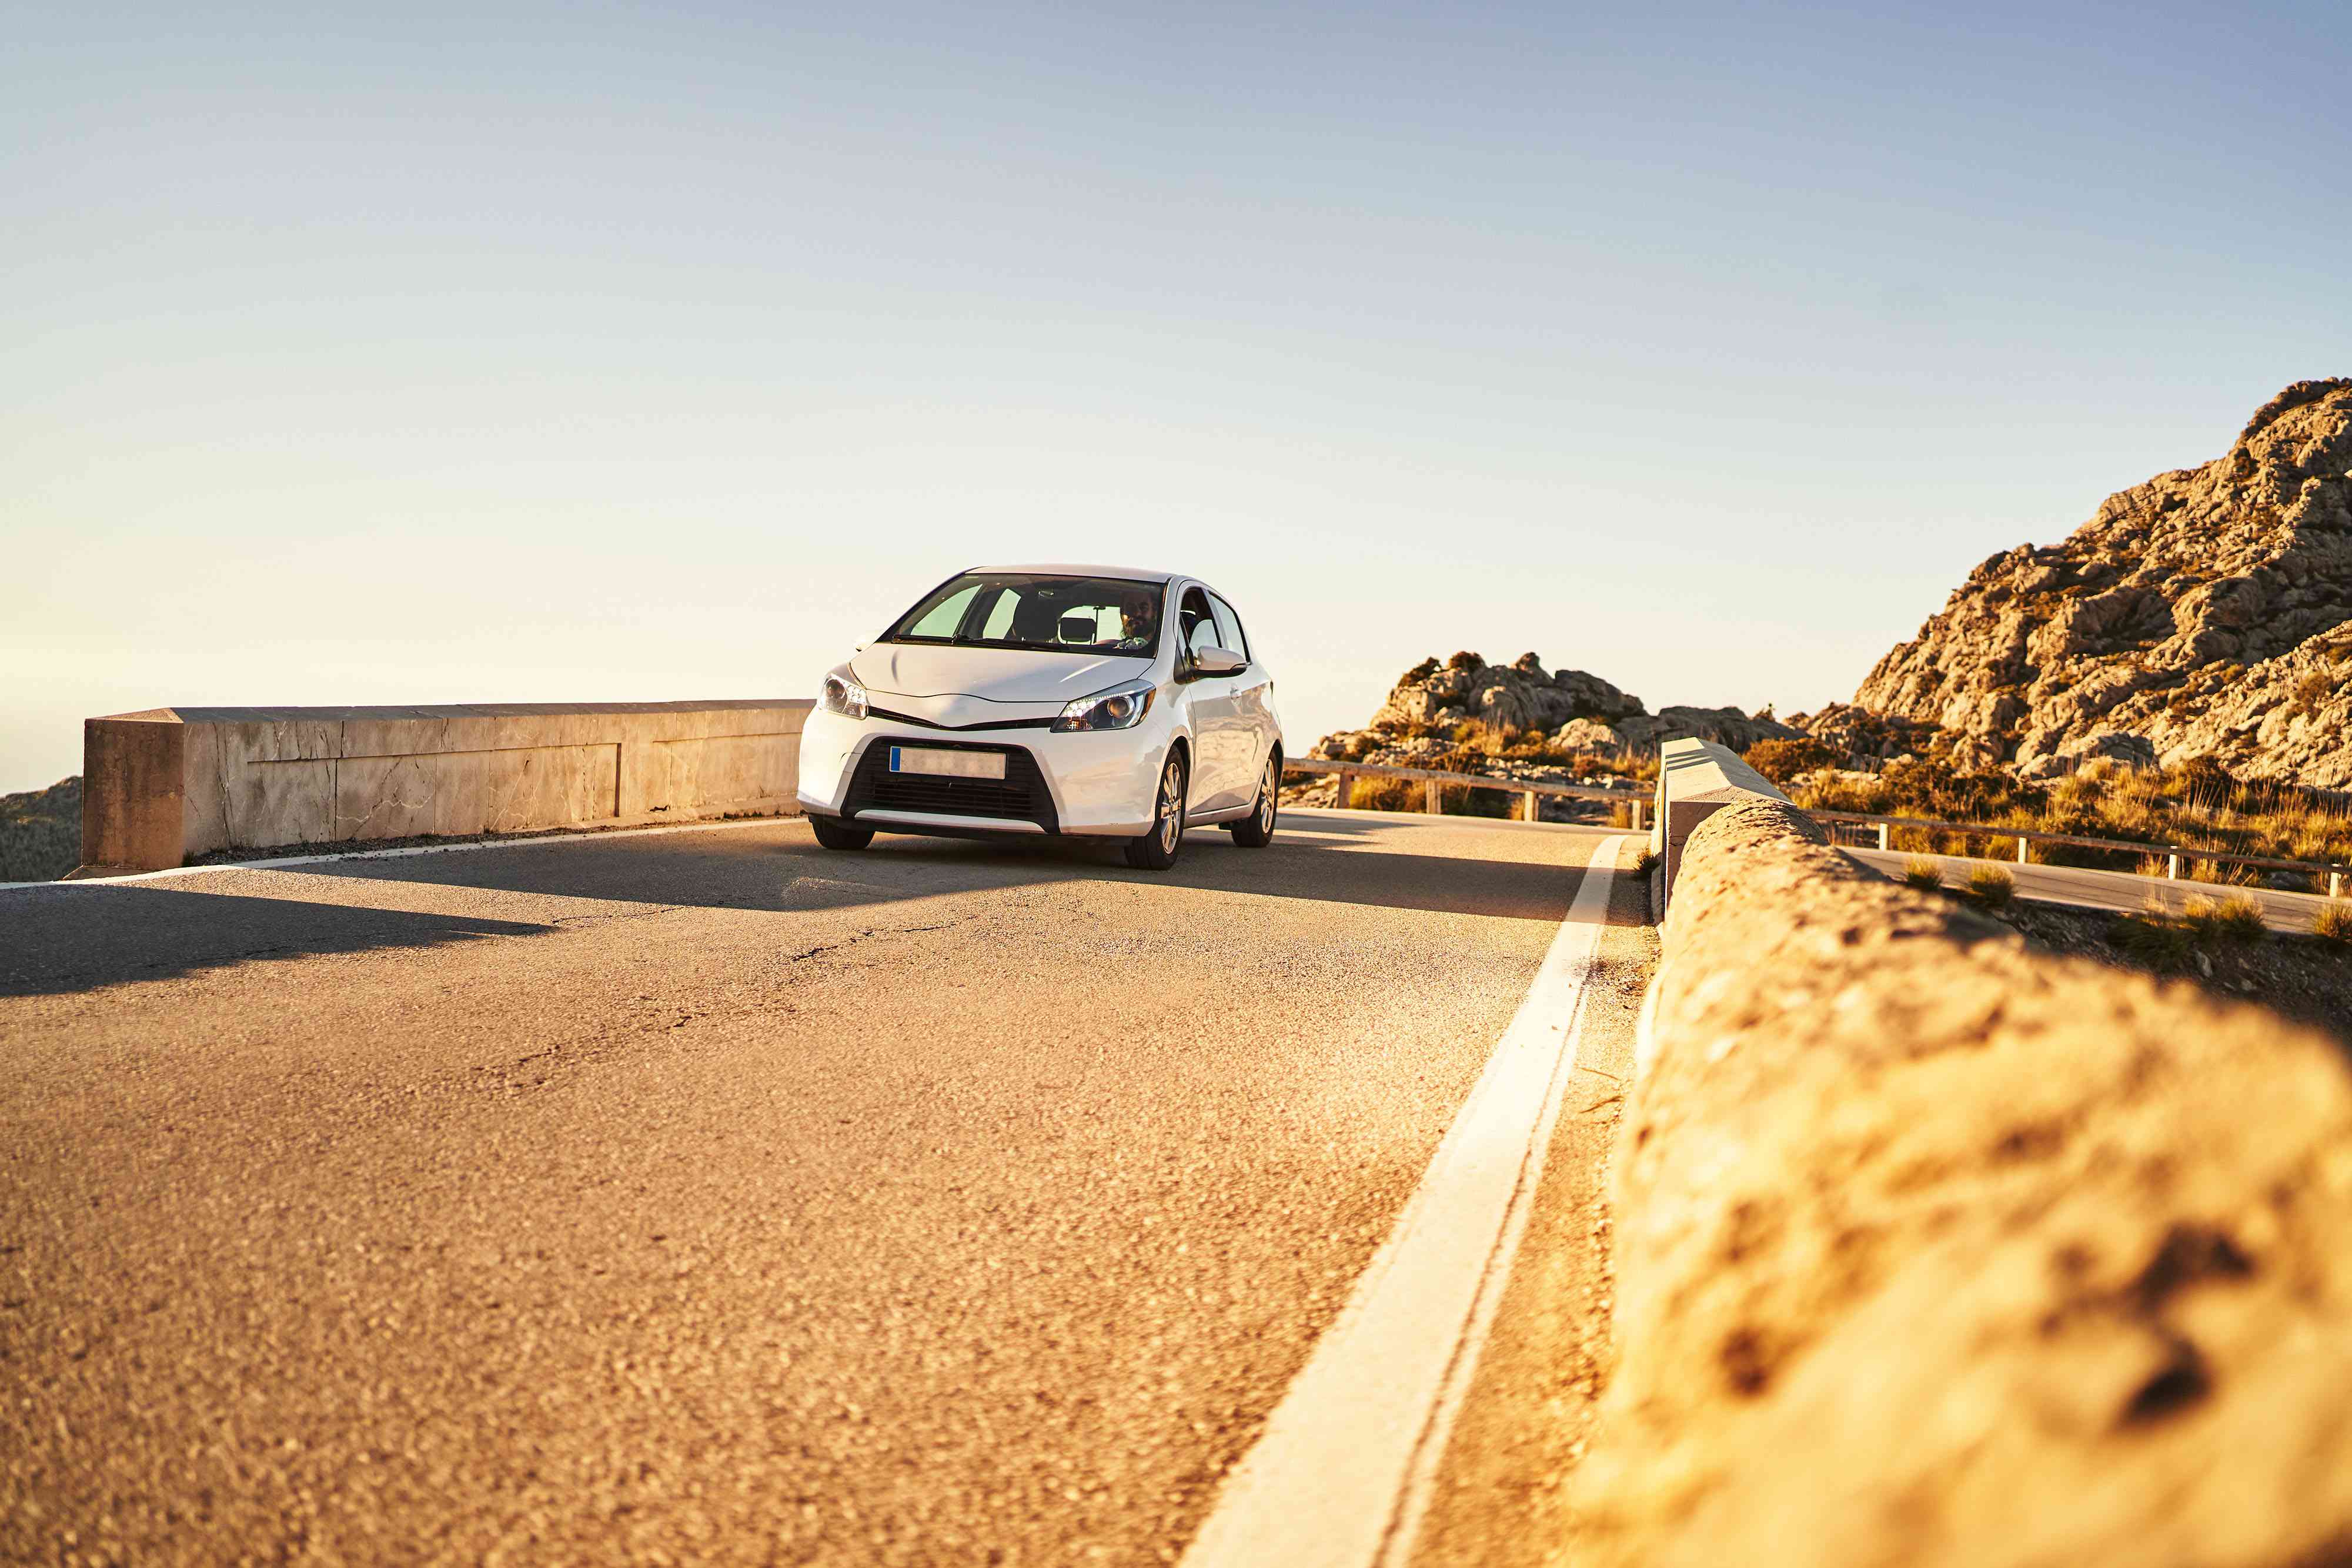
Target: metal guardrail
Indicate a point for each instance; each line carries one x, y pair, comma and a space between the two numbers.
1434, 781
2175, 854
1530, 790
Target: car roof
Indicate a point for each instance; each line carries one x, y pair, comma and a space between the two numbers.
1066, 569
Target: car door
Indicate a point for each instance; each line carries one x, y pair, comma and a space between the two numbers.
1253, 697
1217, 727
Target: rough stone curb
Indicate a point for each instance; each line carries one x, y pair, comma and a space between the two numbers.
1932, 1250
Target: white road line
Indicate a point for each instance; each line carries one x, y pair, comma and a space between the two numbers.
591, 836
1343, 1472
1435, 819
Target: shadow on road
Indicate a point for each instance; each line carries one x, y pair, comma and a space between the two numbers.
782, 868
82, 937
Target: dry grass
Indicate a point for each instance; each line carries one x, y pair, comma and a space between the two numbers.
2196, 806
1474, 738
2334, 922
1923, 874
2234, 919
1454, 800
1993, 886
1781, 760
2167, 942
2156, 940
1471, 747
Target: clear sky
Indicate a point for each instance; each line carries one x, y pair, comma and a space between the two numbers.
600, 352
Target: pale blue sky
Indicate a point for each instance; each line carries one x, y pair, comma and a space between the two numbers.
595, 353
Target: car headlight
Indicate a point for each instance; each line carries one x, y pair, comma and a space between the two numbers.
844, 695
1121, 707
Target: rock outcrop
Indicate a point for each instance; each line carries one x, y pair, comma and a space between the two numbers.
1518, 695
2206, 613
1859, 733
1576, 712
1536, 726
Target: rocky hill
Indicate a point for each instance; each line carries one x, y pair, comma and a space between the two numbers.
1520, 721
40, 832
2206, 613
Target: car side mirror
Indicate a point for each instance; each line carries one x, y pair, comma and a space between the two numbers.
1218, 662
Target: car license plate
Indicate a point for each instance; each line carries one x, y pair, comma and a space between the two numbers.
951, 764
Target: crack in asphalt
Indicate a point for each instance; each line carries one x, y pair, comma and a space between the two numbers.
876, 930
510, 1076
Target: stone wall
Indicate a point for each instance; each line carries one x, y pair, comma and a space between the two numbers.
1933, 1251
167, 784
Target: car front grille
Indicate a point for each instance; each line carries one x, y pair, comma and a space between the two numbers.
1021, 796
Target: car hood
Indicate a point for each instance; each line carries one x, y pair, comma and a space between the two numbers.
990, 674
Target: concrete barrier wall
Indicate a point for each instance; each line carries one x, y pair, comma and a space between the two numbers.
1696, 778
162, 787
1934, 1250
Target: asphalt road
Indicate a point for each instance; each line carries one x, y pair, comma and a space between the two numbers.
703, 1196
2118, 890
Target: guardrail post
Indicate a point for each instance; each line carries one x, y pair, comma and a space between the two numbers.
2335, 884
2021, 849
1531, 812
1885, 837
1433, 796
1636, 804
2172, 867
1346, 787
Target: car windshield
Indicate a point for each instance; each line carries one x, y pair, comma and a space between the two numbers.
1034, 609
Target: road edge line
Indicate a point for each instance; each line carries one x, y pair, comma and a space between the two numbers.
1295, 1497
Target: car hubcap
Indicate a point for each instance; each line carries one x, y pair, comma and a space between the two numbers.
1172, 805
1266, 799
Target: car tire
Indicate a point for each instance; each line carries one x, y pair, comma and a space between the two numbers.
1255, 831
835, 834
1157, 850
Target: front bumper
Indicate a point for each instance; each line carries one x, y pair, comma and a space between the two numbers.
1101, 784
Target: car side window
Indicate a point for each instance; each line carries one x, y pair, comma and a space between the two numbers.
1197, 624
1229, 628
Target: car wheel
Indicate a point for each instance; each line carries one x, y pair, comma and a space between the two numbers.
1255, 831
1156, 851
835, 834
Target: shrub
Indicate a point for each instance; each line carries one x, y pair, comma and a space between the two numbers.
2333, 921
1923, 874
2234, 919
2155, 940
1993, 885
1781, 760
40, 832
2241, 919
1385, 795
2315, 688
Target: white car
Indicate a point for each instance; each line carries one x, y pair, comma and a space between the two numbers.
1081, 701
